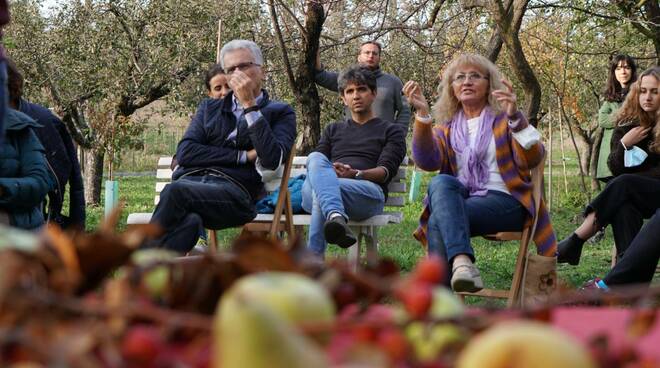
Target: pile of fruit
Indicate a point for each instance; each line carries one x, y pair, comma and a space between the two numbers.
93, 300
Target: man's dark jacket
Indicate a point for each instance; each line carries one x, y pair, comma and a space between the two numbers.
205, 144
63, 161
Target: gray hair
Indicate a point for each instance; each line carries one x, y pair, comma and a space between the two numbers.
242, 44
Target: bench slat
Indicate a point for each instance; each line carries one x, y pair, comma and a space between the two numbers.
397, 187
302, 161
400, 175
161, 185
165, 162
298, 220
393, 201
164, 174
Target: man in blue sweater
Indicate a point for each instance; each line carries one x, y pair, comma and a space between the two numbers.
228, 144
348, 174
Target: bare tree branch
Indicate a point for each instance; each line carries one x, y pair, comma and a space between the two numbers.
558, 5
280, 40
295, 19
472, 4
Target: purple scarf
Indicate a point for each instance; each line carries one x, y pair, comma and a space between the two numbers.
472, 159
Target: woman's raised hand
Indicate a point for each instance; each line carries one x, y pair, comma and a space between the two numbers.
635, 135
416, 99
507, 98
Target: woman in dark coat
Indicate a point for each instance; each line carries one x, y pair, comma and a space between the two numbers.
24, 176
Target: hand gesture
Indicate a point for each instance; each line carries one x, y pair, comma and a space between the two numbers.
243, 87
416, 99
635, 135
507, 98
344, 170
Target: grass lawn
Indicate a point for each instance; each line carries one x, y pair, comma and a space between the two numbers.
495, 260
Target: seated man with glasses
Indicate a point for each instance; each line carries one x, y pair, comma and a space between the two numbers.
223, 152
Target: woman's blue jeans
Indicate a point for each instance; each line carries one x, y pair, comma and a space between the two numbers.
324, 193
456, 216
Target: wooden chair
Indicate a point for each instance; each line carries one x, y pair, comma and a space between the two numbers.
513, 295
274, 224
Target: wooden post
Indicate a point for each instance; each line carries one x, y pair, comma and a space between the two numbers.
219, 43
415, 184
550, 162
563, 152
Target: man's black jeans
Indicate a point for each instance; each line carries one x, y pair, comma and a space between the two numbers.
625, 202
641, 258
204, 201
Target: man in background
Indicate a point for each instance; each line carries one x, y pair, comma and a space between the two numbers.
388, 105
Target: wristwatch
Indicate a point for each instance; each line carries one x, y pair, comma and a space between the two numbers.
358, 175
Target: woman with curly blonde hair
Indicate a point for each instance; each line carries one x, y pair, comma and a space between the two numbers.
634, 193
483, 148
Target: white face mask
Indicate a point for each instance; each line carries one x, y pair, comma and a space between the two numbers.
634, 157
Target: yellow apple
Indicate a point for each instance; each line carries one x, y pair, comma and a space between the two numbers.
523, 344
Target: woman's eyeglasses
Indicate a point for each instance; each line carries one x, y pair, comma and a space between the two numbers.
462, 77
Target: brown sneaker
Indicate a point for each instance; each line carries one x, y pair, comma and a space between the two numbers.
466, 277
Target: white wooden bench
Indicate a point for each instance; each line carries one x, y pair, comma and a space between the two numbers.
366, 231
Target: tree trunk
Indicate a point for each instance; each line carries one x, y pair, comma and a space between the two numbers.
309, 119
526, 76
93, 175
587, 151
307, 95
302, 82
508, 19
595, 155
494, 46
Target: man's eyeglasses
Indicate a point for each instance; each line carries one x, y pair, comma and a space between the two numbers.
242, 67
462, 77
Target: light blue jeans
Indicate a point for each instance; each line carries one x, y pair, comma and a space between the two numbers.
324, 193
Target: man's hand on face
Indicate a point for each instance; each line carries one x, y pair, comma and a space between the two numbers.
251, 155
344, 170
243, 87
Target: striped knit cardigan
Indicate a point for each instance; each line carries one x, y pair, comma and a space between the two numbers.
514, 163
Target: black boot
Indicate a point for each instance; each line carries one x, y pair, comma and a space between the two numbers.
569, 250
336, 231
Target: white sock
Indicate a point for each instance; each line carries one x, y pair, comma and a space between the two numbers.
461, 261
335, 214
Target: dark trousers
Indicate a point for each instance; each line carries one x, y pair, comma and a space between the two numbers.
625, 202
641, 259
195, 202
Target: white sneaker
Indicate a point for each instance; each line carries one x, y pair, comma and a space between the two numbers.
466, 277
